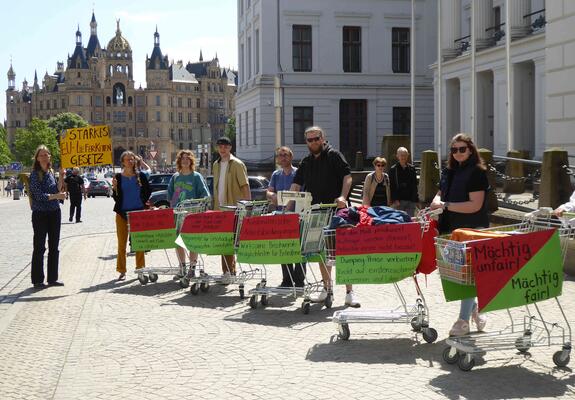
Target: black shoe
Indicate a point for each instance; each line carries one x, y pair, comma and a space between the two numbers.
70, 219
39, 286
285, 284
78, 222
56, 283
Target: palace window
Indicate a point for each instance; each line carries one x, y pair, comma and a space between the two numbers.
351, 49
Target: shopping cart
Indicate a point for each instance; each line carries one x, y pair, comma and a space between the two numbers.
313, 220
178, 272
533, 330
200, 280
417, 315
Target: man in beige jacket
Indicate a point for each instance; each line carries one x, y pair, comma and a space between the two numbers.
230, 185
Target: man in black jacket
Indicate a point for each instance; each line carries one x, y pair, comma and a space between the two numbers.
75, 189
403, 182
327, 176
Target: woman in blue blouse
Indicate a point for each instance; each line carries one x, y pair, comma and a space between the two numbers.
45, 194
131, 193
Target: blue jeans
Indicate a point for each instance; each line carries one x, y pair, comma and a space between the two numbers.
466, 308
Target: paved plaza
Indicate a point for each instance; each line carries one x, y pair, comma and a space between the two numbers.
98, 338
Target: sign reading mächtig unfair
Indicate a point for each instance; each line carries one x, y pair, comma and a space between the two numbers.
210, 233
517, 270
152, 229
377, 254
87, 146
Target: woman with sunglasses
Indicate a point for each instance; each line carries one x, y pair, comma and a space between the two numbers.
376, 187
462, 195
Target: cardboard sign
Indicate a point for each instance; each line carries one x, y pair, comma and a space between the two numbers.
270, 239
517, 270
210, 233
87, 146
377, 254
152, 229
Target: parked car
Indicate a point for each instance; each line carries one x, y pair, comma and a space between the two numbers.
91, 176
99, 187
258, 187
109, 175
159, 181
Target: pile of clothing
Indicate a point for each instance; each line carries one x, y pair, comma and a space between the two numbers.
362, 216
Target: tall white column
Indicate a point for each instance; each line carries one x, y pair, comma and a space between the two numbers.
540, 93
483, 20
519, 25
450, 27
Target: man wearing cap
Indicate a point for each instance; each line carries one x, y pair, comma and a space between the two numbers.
230, 185
75, 188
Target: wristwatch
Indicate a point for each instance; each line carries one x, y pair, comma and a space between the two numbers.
445, 204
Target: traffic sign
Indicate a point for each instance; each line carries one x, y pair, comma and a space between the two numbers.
153, 154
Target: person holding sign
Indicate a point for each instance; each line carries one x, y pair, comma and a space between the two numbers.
46, 216
281, 180
376, 187
186, 184
131, 192
230, 186
327, 176
463, 197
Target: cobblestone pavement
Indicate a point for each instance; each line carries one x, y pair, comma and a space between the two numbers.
96, 338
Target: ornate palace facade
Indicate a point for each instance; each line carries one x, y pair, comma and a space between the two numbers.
183, 105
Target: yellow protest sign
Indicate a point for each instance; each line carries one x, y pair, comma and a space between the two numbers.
87, 146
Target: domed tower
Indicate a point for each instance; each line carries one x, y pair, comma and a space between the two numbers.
157, 66
119, 68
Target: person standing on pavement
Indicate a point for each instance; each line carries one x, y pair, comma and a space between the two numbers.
463, 197
281, 180
230, 186
327, 176
76, 190
131, 192
403, 179
376, 188
186, 184
46, 217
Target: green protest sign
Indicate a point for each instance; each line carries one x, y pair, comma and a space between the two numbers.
210, 233
152, 229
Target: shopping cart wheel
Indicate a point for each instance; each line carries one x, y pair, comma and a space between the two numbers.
328, 301
561, 358
254, 302
204, 287
415, 325
344, 332
153, 277
450, 355
429, 335
242, 294
306, 307
184, 283
466, 362
195, 289
264, 300
143, 279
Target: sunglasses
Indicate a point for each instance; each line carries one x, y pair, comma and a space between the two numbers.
461, 149
313, 139
380, 165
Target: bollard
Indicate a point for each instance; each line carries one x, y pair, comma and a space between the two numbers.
487, 156
555, 188
429, 176
358, 161
514, 169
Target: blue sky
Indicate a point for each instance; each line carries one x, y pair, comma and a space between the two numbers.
37, 34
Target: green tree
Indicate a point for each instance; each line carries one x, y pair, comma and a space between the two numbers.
230, 131
65, 121
5, 154
28, 139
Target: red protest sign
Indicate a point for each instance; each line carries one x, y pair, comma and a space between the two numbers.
270, 227
378, 239
151, 220
209, 222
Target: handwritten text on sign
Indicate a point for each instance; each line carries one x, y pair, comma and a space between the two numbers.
270, 239
209, 222
151, 220
517, 270
377, 254
87, 146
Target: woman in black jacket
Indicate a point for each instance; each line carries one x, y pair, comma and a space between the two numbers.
131, 193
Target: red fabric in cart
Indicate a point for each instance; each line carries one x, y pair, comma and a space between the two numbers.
428, 264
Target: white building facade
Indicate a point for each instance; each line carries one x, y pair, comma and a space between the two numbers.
343, 65
542, 64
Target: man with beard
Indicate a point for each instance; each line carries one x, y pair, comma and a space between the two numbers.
327, 176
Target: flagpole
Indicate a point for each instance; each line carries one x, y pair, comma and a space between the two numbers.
439, 84
510, 143
473, 77
412, 70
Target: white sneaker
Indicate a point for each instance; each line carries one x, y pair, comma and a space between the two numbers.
460, 328
479, 319
321, 296
351, 300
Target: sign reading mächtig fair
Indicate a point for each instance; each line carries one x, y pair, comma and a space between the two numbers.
87, 146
